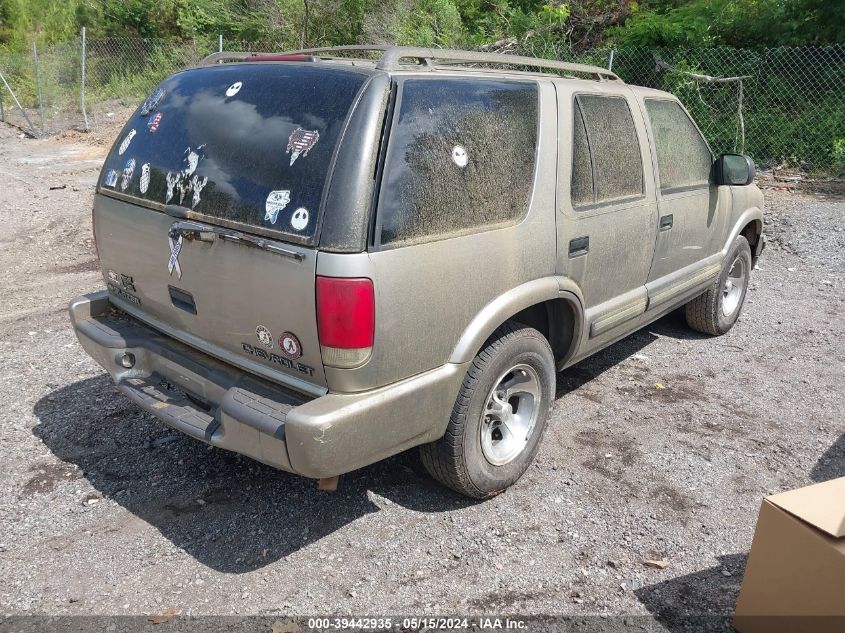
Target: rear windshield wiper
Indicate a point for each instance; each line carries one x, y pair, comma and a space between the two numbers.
201, 232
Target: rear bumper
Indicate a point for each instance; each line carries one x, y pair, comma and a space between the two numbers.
227, 407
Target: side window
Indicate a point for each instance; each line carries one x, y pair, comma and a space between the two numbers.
683, 158
606, 160
461, 157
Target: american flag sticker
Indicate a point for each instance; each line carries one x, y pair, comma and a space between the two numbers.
153, 123
300, 142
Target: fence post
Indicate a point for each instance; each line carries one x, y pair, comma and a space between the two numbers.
610, 60
2, 110
82, 84
38, 85
219, 43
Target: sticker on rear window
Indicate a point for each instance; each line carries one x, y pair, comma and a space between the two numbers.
196, 186
152, 101
110, 179
124, 145
301, 141
234, 89
276, 202
299, 219
128, 170
153, 123
145, 177
459, 156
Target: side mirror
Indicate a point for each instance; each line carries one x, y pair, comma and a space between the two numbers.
734, 170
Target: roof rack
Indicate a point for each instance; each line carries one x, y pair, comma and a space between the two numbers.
392, 58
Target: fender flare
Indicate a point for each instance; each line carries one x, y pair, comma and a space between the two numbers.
513, 301
751, 214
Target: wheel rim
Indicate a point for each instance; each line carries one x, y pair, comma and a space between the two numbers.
510, 414
734, 287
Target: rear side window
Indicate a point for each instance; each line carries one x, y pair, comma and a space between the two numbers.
461, 156
606, 161
241, 144
683, 158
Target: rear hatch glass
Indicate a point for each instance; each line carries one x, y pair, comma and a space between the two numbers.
245, 145
235, 149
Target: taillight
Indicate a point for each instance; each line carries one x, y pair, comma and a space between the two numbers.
346, 320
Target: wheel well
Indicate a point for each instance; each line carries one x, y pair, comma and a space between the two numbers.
556, 320
752, 232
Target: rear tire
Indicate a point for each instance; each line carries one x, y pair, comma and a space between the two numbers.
716, 311
499, 417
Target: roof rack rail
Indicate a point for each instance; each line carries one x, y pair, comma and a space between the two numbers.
392, 56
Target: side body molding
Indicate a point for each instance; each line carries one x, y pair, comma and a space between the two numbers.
513, 301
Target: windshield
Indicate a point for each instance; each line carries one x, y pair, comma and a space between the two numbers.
246, 143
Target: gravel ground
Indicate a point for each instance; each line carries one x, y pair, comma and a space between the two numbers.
106, 511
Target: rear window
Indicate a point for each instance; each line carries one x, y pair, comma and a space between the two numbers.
246, 144
460, 158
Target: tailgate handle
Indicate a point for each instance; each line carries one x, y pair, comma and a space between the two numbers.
182, 299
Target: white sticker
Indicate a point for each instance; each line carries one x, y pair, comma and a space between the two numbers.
276, 201
124, 145
172, 181
197, 185
299, 219
128, 170
192, 159
110, 179
234, 89
264, 336
145, 177
459, 156
173, 262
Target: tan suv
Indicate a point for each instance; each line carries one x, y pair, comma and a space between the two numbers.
319, 260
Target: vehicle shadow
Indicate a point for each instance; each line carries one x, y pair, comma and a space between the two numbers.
229, 512
831, 465
701, 601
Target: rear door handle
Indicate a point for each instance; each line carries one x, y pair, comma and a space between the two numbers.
666, 222
579, 246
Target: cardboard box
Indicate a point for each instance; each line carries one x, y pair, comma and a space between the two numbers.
795, 577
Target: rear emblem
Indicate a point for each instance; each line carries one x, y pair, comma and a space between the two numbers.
175, 248
290, 346
300, 142
264, 336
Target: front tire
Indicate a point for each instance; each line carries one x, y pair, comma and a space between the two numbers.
499, 417
716, 311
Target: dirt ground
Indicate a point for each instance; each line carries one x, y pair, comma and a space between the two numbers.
106, 511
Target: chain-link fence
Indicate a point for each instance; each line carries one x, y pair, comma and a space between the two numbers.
783, 106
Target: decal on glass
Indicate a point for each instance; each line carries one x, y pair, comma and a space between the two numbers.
299, 219
196, 186
110, 179
152, 101
145, 177
301, 141
124, 144
128, 170
276, 201
234, 89
264, 336
459, 156
153, 123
